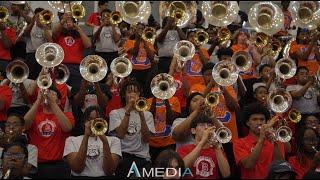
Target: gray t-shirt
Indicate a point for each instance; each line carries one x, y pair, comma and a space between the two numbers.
106, 42
188, 139
165, 49
35, 39
94, 160
307, 103
132, 142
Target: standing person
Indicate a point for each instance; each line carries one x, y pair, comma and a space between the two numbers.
106, 37
254, 153
7, 41
133, 127
95, 17
89, 155
73, 41
48, 128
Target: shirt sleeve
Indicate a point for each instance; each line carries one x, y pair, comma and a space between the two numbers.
70, 118
292, 88
33, 155
239, 150
11, 33
69, 146
91, 19
115, 146
183, 151
149, 121
115, 120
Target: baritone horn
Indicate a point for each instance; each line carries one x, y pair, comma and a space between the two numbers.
49, 55
61, 73
242, 60
133, 12
212, 99
162, 86
78, 11
279, 100
93, 68
285, 68
4, 14
121, 67
225, 73
46, 17
141, 104
149, 34
17, 71
305, 14
283, 134
99, 126
294, 115
184, 51
201, 37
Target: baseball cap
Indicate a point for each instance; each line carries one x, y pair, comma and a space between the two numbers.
280, 167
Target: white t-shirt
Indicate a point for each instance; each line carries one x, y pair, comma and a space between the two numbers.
188, 140
17, 99
165, 49
307, 103
132, 142
35, 39
106, 42
94, 160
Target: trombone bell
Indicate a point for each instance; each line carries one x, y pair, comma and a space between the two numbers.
99, 126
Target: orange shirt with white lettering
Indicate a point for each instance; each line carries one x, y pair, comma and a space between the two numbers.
141, 62
243, 147
221, 111
4, 52
251, 73
6, 97
162, 136
193, 68
73, 49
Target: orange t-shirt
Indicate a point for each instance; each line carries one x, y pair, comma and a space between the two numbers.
251, 73
141, 62
193, 68
243, 147
4, 52
47, 135
6, 96
311, 63
94, 19
73, 49
221, 111
162, 136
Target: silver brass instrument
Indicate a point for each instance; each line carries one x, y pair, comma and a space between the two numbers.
242, 60
201, 37
279, 100
62, 74
46, 17
220, 13
93, 68
162, 86
149, 35
212, 99
283, 134
121, 67
225, 73
182, 11
4, 14
184, 51
141, 104
17, 71
49, 55
78, 11
285, 68
99, 126
133, 12
305, 14
63, 6
294, 115
266, 17
222, 135
44, 81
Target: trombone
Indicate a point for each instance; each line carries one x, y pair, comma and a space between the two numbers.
4, 14
279, 100
141, 104
242, 60
99, 126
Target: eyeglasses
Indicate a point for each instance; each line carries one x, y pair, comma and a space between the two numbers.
7, 155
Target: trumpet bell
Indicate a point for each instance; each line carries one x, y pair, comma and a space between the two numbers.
17, 71
212, 99
49, 55
99, 126
121, 67
305, 14
279, 100
78, 11
93, 68
141, 104
225, 73
220, 13
283, 134
294, 115
162, 86
149, 34
115, 17
266, 17
242, 60
285, 68
4, 14
184, 50
46, 18
201, 37
133, 12
44, 81
223, 135
62, 74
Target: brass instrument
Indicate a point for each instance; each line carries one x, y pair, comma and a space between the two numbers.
44, 81
279, 100
212, 99
220, 13
276, 47
93, 68
78, 11
283, 134
46, 17
305, 14
285, 68
149, 34
261, 40
242, 60
62, 74
266, 17
17, 71
222, 135
121, 67
63, 6
141, 104
184, 51
99, 126
115, 17
294, 115
201, 37
224, 36
162, 86
133, 12
49, 55
4, 14
225, 73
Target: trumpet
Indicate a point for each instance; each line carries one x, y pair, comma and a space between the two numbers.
99, 126
242, 60
78, 11
222, 135
225, 73
115, 17
44, 81
46, 17
279, 100
49, 55
149, 34
62, 74
294, 115
4, 14
162, 86
285, 68
212, 99
93, 68
184, 51
201, 37
17, 71
141, 104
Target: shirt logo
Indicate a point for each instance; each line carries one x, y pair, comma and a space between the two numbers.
204, 166
177, 84
69, 40
132, 128
47, 128
37, 34
107, 35
93, 151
